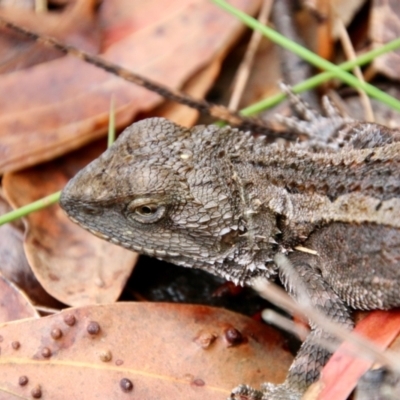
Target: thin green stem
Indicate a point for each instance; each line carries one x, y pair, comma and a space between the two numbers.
321, 78
29, 208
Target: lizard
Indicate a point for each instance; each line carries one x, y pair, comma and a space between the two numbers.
221, 200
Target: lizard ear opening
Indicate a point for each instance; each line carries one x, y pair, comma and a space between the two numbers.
145, 211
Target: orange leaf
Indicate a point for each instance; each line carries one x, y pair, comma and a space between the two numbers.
166, 351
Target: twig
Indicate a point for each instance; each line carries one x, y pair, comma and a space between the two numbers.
351, 55
243, 72
111, 123
29, 208
40, 6
272, 317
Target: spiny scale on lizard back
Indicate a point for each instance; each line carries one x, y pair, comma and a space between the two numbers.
170, 192
373, 172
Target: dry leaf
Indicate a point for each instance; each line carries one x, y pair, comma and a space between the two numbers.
384, 27
383, 114
13, 303
59, 105
76, 25
197, 87
13, 263
166, 351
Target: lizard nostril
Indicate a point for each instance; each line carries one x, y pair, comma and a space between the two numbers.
91, 210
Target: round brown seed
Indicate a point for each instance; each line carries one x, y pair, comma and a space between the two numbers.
70, 319
36, 392
93, 328
46, 352
56, 333
233, 336
15, 345
126, 385
23, 380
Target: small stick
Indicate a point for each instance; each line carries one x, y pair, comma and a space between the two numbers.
351, 55
243, 73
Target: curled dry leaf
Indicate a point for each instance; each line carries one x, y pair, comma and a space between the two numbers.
13, 263
59, 105
75, 25
140, 350
345, 9
383, 114
384, 27
13, 303
72, 265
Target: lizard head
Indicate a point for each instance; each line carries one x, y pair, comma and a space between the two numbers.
169, 192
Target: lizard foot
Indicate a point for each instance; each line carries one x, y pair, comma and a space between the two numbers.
379, 384
245, 392
321, 129
268, 391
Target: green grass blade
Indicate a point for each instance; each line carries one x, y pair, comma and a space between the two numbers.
309, 56
29, 208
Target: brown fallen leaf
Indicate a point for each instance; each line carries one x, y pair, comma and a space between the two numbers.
72, 265
346, 9
13, 303
384, 27
59, 105
383, 114
197, 86
76, 24
139, 351
13, 263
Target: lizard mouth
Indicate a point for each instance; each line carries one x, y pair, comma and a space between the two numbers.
92, 231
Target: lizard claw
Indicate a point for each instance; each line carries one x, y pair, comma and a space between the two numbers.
302, 108
280, 392
245, 392
321, 129
268, 391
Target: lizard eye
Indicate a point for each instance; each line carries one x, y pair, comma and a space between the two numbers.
145, 211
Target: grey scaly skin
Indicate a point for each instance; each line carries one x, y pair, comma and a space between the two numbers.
220, 200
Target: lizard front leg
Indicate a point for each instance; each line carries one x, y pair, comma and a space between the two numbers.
331, 130
356, 266
312, 356
361, 263
322, 130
